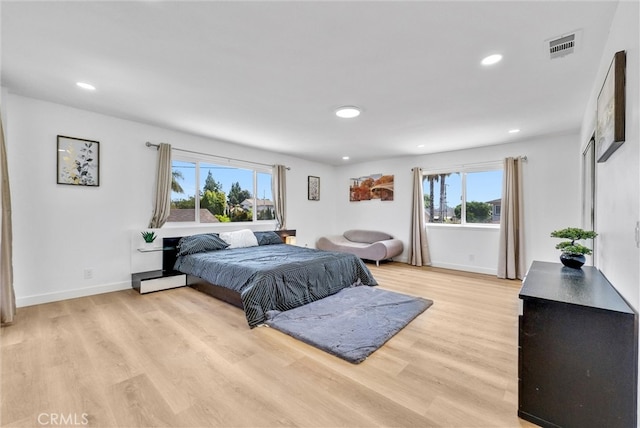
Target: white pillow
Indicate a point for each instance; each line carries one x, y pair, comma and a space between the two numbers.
239, 238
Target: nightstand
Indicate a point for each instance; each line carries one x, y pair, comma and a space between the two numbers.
156, 280
288, 236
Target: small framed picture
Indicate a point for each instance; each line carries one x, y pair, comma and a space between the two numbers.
313, 188
78, 161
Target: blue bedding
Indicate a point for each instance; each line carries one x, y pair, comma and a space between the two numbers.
277, 277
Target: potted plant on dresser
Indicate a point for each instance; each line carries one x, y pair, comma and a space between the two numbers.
572, 253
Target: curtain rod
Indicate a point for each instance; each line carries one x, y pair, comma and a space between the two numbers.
474, 164
467, 165
148, 144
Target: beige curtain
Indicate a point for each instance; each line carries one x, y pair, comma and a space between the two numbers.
511, 255
279, 189
162, 204
7, 295
418, 246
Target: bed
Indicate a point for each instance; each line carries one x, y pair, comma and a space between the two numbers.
264, 277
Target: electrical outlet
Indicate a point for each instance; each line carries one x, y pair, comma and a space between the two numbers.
88, 273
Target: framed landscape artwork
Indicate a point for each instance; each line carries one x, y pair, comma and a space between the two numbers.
313, 188
610, 114
78, 161
374, 186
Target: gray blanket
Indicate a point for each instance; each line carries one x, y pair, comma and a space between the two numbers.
352, 323
277, 277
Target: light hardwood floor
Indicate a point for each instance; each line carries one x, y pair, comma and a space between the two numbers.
181, 358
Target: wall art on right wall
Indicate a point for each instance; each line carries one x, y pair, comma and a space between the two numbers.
610, 115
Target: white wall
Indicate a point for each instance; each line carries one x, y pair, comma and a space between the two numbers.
552, 201
617, 179
61, 230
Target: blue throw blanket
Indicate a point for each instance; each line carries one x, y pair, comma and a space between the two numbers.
277, 277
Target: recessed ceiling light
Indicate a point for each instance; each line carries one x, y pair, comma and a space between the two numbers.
514, 131
86, 86
420, 146
345, 157
347, 112
492, 59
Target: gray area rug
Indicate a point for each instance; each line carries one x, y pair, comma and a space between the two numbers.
352, 323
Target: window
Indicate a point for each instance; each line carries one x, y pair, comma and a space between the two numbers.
463, 197
183, 191
206, 192
442, 193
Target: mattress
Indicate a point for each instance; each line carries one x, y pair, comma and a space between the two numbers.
277, 277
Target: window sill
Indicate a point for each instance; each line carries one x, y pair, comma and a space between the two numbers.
235, 224
494, 227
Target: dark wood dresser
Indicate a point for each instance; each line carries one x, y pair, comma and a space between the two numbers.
578, 350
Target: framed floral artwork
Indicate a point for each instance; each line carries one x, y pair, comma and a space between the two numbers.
313, 188
78, 161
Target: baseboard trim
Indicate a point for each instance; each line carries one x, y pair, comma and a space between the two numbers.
39, 299
465, 268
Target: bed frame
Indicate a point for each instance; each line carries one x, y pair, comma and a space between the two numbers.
170, 253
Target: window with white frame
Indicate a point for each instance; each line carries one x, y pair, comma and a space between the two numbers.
203, 191
464, 195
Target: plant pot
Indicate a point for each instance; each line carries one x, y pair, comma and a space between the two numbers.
574, 261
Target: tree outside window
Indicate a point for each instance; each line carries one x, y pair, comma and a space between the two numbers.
463, 197
224, 193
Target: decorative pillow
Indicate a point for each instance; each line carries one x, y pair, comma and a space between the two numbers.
268, 238
200, 243
240, 238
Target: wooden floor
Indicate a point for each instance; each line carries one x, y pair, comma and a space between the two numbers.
181, 358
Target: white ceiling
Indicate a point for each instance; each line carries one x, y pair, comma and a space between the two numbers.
270, 74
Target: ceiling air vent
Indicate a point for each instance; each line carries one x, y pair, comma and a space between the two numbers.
562, 46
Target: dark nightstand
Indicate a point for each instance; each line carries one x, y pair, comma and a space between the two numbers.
288, 236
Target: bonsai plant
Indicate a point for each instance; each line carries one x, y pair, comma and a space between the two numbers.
148, 236
572, 253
